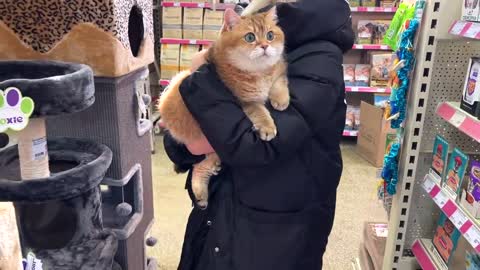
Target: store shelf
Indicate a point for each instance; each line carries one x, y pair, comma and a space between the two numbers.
350, 133
465, 224
361, 89
451, 112
219, 6
373, 9
426, 255
465, 29
185, 41
377, 47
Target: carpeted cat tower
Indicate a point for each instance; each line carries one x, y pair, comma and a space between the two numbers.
56, 192
114, 38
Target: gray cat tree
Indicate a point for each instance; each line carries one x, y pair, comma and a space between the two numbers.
56, 193
115, 38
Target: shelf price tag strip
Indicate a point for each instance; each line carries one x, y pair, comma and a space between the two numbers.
453, 212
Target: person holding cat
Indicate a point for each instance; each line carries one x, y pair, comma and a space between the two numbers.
272, 205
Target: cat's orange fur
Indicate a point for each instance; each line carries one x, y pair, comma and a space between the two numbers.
254, 71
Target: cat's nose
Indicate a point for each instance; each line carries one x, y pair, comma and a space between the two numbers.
264, 46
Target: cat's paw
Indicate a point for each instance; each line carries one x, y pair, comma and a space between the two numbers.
216, 168
280, 105
280, 101
266, 132
201, 194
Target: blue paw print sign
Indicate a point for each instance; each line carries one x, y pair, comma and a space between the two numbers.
15, 110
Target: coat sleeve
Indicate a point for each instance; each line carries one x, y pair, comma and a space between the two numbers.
228, 129
179, 154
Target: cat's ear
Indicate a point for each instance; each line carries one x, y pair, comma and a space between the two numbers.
271, 14
231, 18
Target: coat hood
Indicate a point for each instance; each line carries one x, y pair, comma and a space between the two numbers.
311, 20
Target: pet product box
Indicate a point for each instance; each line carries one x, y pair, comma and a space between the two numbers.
212, 24
470, 10
375, 240
365, 30
349, 74
369, 3
470, 198
186, 54
192, 23
471, 90
372, 137
379, 30
380, 72
169, 60
172, 22
362, 75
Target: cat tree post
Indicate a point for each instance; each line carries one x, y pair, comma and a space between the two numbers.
32, 150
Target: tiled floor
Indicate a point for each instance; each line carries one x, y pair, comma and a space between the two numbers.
356, 203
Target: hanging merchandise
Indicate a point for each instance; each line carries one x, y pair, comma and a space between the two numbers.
410, 18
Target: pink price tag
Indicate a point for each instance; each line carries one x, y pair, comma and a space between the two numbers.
428, 184
458, 27
458, 218
472, 31
473, 236
457, 119
441, 199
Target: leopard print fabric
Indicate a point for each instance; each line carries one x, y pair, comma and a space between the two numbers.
42, 23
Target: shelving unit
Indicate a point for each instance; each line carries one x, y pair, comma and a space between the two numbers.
451, 112
219, 6
361, 89
376, 47
350, 133
467, 225
374, 9
441, 65
424, 251
465, 29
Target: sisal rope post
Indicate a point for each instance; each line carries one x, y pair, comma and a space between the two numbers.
32, 150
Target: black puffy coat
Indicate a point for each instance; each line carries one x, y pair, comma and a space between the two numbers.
273, 205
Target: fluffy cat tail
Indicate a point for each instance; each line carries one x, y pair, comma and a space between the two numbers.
255, 6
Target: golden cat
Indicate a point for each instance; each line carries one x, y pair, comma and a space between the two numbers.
248, 57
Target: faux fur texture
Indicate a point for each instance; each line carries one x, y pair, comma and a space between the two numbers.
85, 160
55, 87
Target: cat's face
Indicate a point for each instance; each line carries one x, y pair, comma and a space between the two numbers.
253, 43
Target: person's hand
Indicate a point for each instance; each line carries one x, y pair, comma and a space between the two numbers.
200, 147
198, 60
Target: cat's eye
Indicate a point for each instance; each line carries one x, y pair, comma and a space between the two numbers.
270, 36
250, 37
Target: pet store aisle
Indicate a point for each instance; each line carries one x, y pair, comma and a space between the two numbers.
356, 204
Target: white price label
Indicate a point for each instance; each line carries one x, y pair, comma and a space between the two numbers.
457, 28
441, 199
39, 148
458, 218
457, 119
473, 236
192, 41
201, 5
176, 4
428, 184
473, 31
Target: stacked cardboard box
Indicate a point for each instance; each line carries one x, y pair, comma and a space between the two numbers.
192, 23
172, 22
212, 24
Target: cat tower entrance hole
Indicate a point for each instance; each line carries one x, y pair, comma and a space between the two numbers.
136, 30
